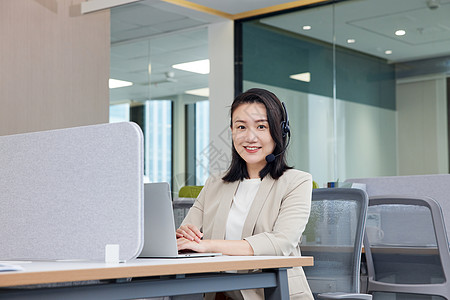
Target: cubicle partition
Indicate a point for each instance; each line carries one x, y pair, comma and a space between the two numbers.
434, 186
66, 194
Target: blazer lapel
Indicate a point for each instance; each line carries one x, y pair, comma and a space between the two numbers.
226, 198
257, 205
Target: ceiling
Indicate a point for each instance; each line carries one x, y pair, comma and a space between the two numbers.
372, 25
161, 34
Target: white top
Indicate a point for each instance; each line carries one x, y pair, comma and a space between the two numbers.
240, 206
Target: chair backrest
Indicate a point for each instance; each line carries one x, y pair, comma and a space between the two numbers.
334, 236
406, 247
190, 191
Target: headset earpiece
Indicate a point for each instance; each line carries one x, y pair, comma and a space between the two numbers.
285, 129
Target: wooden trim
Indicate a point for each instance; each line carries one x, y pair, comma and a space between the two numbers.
201, 8
145, 268
246, 14
275, 8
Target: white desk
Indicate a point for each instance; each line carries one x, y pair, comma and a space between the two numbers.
151, 277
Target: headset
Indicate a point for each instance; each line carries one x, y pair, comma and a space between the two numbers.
285, 131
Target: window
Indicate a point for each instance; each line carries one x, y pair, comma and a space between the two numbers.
197, 146
119, 113
158, 141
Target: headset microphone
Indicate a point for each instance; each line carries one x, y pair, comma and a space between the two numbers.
285, 131
270, 158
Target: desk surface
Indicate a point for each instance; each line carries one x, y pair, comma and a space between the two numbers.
44, 272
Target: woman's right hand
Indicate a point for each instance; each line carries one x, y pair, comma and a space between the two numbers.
189, 232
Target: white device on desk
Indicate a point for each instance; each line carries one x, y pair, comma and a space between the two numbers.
159, 225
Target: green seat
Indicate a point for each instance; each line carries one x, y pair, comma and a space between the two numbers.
315, 185
190, 191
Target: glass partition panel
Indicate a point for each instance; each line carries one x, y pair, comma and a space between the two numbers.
365, 84
148, 54
299, 71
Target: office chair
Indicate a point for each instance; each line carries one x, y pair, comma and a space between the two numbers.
190, 191
333, 236
406, 249
181, 204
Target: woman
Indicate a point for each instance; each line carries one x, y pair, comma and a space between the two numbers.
260, 206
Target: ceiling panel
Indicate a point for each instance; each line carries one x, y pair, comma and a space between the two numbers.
136, 42
176, 25
422, 25
372, 25
144, 15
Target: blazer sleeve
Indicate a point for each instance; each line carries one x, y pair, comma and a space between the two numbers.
291, 221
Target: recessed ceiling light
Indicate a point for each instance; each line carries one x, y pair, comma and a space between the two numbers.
306, 77
306, 27
204, 92
388, 52
400, 32
198, 66
115, 83
351, 41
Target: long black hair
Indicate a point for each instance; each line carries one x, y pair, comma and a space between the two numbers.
275, 116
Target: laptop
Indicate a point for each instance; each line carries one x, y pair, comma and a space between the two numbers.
159, 225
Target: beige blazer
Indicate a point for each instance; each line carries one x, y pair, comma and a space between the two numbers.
274, 224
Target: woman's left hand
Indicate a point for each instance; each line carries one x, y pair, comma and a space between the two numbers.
227, 247
185, 244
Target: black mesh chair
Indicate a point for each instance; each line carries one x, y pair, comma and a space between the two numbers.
333, 236
406, 249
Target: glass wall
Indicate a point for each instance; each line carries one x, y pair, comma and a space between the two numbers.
148, 56
363, 100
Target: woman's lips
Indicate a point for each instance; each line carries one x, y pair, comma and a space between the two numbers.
251, 149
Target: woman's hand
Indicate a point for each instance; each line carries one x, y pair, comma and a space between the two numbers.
189, 232
227, 247
185, 244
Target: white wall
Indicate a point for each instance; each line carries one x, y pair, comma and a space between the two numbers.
366, 141
422, 126
54, 65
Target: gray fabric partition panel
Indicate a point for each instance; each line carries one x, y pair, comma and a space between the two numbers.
66, 194
436, 186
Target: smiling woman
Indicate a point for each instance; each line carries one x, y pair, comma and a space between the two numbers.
257, 207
